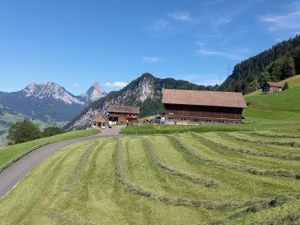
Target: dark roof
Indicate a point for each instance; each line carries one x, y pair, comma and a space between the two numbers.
273, 84
204, 98
123, 109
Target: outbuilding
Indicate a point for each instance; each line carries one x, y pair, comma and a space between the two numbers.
271, 87
196, 107
122, 114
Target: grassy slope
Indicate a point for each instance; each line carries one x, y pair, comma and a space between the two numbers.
79, 184
11, 151
276, 106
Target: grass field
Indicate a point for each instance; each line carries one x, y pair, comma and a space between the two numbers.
184, 179
12, 151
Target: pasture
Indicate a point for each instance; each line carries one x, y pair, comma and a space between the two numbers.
12, 151
184, 179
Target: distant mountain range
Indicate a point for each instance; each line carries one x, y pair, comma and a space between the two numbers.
47, 102
145, 92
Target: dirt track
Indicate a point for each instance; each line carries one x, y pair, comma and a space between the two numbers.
11, 176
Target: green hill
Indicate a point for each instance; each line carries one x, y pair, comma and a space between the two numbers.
279, 62
284, 105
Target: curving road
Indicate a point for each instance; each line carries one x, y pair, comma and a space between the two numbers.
11, 176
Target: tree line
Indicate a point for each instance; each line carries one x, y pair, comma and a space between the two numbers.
27, 131
280, 62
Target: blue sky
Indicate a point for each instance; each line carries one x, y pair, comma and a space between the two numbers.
78, 42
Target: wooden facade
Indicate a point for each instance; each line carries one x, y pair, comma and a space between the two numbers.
271, 87
123, 114
99, 121
196, 107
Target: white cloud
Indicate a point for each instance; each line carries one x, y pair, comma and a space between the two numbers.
160, 25
150, 59
116, 84
235, 54
76, 85
181, 16
283, 22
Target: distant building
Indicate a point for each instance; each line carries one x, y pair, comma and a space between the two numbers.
99, 120
271, 87
122, 114
196, 107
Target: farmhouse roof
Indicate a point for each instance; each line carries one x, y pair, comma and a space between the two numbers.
123, 109
273, 84
204, 98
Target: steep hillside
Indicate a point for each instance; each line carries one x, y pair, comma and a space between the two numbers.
277, 63
144, 92
284, 105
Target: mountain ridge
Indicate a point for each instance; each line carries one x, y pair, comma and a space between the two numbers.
144, 92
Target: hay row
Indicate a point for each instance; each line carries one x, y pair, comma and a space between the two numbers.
66, 218
277, 135
278, 143
77, 172
150, 150
246, 151
260, 206
242, 168
120, 173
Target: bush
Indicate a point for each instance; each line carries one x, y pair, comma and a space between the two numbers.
23, 131
51, 131
286, 86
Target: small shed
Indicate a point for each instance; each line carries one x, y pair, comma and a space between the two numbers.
271, 87
99, 121
123, 114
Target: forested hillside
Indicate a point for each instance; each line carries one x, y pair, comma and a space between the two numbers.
278, 63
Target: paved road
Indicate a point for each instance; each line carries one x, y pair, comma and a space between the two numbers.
11, 176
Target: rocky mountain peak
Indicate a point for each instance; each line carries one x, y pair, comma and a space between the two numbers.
94, 93
50, 90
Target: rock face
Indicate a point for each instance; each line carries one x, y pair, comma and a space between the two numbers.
94, 93
51, 90
144, 92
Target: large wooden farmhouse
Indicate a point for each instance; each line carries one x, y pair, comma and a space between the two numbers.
194, 107
271, 87
123, 114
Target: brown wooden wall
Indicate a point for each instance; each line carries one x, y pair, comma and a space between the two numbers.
196, 114
122, 118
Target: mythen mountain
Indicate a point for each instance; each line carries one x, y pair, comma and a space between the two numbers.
47, 103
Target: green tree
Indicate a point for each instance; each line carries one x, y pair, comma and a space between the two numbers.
286, 86
50, 131
288, 68
23, 131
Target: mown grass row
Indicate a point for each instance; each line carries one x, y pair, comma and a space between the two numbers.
79, 168
273, 135
238, 167
120, 173
63, 217
290, 219
276, 201
150, 150
278, 143
246, 151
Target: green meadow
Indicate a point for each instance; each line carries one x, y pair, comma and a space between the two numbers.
243, 174
12, 151
190, 178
